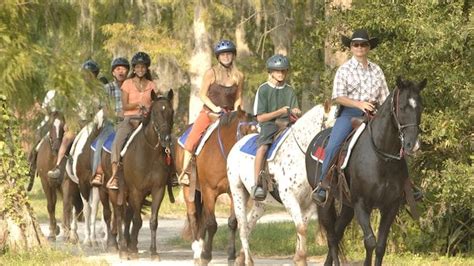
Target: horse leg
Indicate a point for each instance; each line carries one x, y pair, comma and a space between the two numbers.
119, 213
67, 209
194, 219
157, 197
111, 238
210, 223
327, 219
87, 220
94, 200
294, 209
386, 220
363, 217
251, 220
136, 204
232, 224
128, 212
53, 227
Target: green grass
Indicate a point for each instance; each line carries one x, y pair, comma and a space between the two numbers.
46, 256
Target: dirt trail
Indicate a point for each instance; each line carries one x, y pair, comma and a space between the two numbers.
167, 228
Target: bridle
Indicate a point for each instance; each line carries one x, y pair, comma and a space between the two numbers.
157, 129
394, 111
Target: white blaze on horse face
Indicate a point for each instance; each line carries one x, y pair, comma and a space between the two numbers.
412, 102
417, 146
56, 125
163, 107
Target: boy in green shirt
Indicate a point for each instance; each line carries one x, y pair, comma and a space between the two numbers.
273, 100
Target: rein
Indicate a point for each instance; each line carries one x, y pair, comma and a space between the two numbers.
167, 149
394, 111
239, 135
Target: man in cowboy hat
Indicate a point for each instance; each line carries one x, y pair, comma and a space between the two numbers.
358, 86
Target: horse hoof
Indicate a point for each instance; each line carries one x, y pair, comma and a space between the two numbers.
133, 256
155, 257
123, 255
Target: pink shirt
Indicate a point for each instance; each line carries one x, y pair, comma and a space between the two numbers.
135, 96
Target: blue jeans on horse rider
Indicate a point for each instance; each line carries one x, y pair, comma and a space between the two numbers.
339, 133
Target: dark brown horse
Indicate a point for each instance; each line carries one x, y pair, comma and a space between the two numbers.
212, 180
377, 172
147, 168
45, 160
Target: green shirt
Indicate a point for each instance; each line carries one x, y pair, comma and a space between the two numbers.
270, 98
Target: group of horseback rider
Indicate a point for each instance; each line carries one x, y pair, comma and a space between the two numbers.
359, 85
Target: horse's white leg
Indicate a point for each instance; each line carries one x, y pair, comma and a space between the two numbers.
87, 213
94, 200
73, 237
301, 223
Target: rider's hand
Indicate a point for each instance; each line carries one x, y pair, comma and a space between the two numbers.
296, 111
217, 110
284, 110
366, 107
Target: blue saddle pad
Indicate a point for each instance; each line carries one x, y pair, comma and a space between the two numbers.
184, 137
250, 147
108, 142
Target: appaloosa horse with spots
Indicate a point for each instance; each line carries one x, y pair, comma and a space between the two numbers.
376, 172
288, 170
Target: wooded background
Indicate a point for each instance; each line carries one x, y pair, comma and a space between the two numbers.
43, 44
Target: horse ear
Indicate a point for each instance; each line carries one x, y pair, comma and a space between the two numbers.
422, 84
400, 83
170, 95
154, 97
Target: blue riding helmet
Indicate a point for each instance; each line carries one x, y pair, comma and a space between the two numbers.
119, 61
92, 66
278, 62
141, 58
224, 46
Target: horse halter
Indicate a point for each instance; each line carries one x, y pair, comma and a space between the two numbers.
157, 129
394, 111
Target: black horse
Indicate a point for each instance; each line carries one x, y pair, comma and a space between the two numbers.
377, 172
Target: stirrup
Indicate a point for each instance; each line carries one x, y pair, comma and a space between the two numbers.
183, 179
319, 195
113, 183
97, 180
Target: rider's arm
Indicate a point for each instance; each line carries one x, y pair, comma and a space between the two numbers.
264, 117
206, 83
238, 98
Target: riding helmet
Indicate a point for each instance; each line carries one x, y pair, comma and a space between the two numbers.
120, 61
141, 58
92, 66
224, 46
278, 62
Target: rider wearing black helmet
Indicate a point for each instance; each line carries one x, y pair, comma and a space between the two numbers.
221, 91
274, 99
119, 68
136, 99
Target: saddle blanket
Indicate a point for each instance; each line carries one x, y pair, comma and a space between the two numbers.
250, 147
318, 152
204, 138
107, 144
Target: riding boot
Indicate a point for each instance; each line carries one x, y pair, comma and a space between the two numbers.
97, 180
319, 194
55, 173
183, 178
257, 192
113, 182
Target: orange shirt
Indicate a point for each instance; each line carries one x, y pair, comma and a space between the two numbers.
135, 96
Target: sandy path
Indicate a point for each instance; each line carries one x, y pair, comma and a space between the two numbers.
167, 229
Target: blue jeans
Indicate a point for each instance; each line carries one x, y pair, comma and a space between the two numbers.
339, 133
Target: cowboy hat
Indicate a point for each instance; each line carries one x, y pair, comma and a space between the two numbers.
362, 36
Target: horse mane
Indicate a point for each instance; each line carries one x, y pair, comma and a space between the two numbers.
227, 118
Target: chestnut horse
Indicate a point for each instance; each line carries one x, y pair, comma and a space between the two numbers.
47, 153
212, 180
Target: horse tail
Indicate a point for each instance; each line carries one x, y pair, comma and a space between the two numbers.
32, 181
187, 233
78, 206
169, 187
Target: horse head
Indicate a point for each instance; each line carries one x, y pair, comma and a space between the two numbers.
160, 117
406, 110
56, 131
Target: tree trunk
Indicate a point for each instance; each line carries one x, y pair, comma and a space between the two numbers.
334, 58
19, 230
201, 59
281, 33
